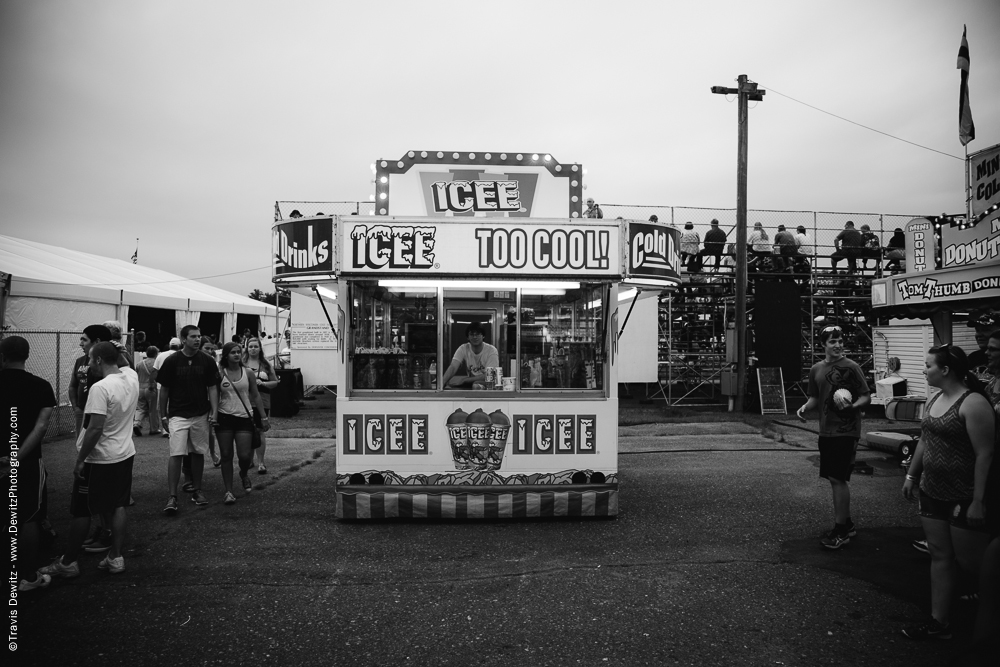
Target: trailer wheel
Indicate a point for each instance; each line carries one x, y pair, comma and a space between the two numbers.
906, 449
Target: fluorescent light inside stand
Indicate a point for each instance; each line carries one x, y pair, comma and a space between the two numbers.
485, 285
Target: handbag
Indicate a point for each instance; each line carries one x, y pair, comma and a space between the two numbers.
254, 417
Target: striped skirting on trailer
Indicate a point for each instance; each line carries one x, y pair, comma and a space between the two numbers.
475, 503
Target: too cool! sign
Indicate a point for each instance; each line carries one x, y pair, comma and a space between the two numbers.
425, 246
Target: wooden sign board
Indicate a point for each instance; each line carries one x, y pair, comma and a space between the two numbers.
772, 391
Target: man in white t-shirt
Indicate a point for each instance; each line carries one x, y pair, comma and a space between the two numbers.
102, 478
476, 356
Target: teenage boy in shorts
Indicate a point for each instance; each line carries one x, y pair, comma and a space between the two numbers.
839, 427
189, 403
102, 477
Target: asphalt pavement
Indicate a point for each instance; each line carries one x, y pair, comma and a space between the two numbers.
714, 559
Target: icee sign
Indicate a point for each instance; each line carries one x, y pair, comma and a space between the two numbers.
453, 247
653, 254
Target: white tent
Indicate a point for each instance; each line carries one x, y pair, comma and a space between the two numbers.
48, 287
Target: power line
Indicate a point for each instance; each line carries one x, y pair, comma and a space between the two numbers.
891, 136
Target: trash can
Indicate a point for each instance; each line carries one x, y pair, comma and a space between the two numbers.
286, 396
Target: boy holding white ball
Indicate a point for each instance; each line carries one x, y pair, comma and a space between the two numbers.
837, 386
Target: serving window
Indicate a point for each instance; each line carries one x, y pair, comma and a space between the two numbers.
465, 338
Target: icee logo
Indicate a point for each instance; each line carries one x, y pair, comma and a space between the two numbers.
397, 247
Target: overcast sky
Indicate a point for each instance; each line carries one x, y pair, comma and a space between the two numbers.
182, 122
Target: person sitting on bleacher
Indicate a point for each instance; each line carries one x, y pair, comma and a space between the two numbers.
895, 250
872, 247
849, 244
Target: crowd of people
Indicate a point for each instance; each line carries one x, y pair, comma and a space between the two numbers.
192, 394
790, 251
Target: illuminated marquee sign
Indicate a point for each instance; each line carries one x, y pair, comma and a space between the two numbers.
445, 247
504, 185
966, 245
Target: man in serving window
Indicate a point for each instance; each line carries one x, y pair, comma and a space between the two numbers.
473, 358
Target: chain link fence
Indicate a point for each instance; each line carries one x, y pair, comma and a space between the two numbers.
52, 357
822, 226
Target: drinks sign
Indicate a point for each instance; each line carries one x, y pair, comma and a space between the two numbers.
302, 246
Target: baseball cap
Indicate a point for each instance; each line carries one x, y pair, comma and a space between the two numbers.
175, 341
983, 318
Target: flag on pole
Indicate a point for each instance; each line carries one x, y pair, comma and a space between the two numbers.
966, 127
135, 255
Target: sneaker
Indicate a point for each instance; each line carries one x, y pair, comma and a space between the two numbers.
57, 569
930, 630
851, 531
188, 487
112, 565
98, 543
247, 485
836, 540
41, 581
920, 545
156, 432
166, 434
198, 498
136, 431
230, 498
262, 469
171, 507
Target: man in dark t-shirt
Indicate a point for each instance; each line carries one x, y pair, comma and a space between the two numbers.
849, 244
715, 241
27, 402
837, 387
188, 403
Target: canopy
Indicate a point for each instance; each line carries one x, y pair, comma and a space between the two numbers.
52, 272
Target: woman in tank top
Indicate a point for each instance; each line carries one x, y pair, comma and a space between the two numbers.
951, 464
237, 393
266, 380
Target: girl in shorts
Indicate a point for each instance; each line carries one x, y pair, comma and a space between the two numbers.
951, 464
237, 393
266, 380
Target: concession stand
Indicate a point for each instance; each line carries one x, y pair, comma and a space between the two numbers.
952, 263
525, 423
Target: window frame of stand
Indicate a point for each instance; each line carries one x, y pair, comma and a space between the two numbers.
593, 296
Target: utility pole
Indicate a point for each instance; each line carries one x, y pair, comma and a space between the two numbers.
746, 91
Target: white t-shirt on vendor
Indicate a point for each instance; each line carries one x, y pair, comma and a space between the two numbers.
115, 397
477, 363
